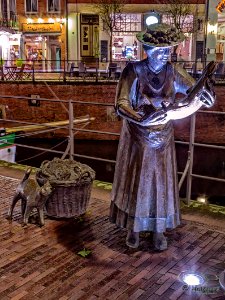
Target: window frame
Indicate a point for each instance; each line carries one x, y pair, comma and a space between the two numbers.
31, 11
54, 11
128, 22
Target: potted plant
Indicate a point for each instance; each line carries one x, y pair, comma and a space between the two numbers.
1, 68
19, 62
1, 62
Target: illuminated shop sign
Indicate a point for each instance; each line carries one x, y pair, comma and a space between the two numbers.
220, 7
43, 27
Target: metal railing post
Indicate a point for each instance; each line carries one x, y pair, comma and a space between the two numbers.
71, 135
64, 70
191, 153
33, 79
96, 69
185, 172
2, 72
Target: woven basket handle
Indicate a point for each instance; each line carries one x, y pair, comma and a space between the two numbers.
45, 162
87, 174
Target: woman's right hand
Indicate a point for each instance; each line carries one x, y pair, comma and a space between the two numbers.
157, 118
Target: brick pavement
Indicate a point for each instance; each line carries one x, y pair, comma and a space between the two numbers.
42, 263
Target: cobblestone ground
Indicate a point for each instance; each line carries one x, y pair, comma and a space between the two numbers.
42, 263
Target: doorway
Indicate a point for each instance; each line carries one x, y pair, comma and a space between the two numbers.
58, 58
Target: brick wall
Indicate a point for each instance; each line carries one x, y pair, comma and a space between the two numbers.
210, 127
140, 1
105, 120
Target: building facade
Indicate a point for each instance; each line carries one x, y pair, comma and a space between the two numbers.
42, 25
34, 30
9, 36
50, 31
85, 30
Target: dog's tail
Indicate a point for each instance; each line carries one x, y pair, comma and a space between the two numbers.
26, 175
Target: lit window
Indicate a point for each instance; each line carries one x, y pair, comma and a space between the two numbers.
53, 5
127, 23
31, 6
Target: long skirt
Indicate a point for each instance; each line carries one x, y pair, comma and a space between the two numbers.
145, 189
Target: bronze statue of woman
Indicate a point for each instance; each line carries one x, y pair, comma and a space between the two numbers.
145, 189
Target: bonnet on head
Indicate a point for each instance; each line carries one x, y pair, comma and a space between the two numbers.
160, 35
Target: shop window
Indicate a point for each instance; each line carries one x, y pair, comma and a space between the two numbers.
89, 19
53, 5
12, 6
3, 12
128, 22
125, 46
31, 6
8, 13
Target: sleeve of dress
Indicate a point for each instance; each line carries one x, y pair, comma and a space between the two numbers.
182, 80
192, 101
126, 92
185, 106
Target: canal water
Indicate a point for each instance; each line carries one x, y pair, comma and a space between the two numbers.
95, 148
207, 162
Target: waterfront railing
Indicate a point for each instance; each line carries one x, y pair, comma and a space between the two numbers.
71, 129
83, 71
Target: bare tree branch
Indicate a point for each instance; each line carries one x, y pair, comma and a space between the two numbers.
177, 13
110, 12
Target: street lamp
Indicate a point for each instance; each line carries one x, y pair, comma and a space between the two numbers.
151, 18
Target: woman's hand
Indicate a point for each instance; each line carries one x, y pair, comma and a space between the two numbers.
157, 118
207, 98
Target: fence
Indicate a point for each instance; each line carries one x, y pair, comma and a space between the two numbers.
71, 129
81, 71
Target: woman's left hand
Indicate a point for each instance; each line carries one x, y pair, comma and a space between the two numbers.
207, 97
208, 94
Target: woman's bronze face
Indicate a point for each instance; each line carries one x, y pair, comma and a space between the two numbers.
158, 56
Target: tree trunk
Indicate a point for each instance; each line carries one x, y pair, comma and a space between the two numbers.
175, 49
110, 47
174, 54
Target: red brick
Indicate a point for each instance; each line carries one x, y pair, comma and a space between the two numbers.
164, 286
43, 264
104, 93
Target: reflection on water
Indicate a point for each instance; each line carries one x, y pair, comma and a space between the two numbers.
208, 162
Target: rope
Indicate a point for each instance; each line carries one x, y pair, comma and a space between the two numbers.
39, 154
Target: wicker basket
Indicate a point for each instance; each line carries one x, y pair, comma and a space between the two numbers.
68, 201
69, 198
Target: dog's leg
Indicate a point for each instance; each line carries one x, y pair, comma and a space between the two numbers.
15, 199
41, 215
23, 206
27, 213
